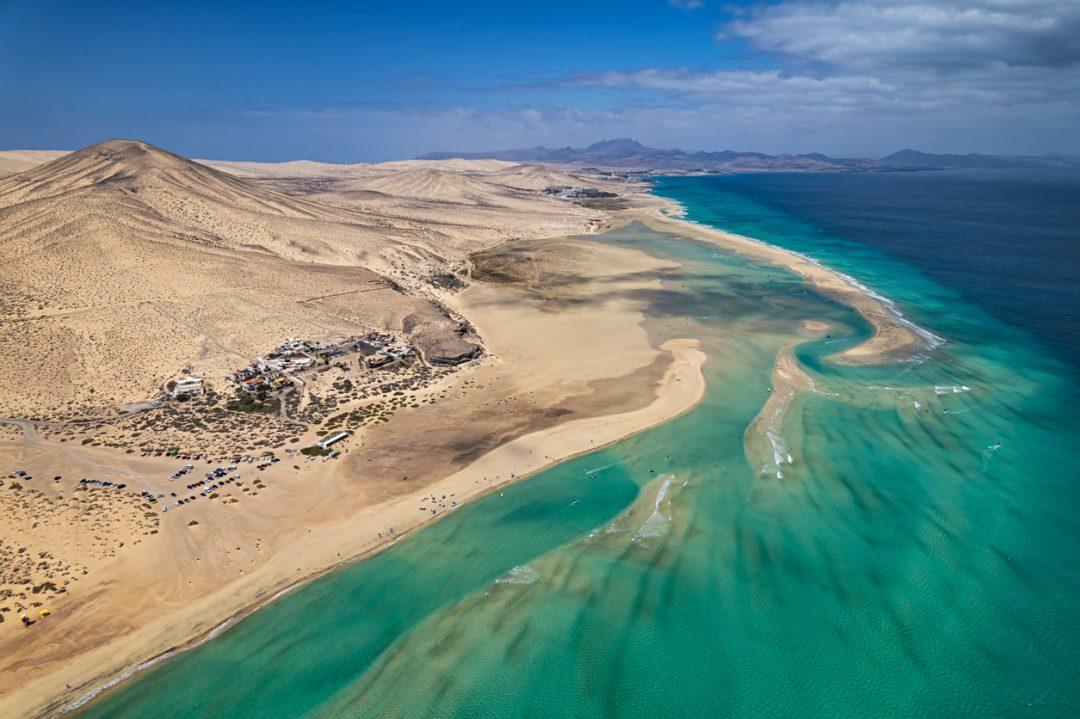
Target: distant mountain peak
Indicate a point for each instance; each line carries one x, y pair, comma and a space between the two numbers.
627, 153
621, 143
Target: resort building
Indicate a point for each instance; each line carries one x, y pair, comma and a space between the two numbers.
189, 384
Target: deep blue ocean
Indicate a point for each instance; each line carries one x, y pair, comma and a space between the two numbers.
1007, 240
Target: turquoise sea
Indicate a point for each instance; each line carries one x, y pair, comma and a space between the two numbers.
908, 546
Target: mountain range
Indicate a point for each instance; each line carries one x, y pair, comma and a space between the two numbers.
628, 154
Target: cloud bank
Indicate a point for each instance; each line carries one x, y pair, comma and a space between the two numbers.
917, 71
845, 78
937, 37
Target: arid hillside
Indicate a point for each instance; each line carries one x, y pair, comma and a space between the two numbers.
445, 207
125, 263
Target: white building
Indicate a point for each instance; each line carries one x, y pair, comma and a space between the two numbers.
189, 384
332, 439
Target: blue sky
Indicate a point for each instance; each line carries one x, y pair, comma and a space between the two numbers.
382, 80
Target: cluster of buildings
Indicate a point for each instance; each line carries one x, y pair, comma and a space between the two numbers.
567, 192
273, 371
279, 367
379, 350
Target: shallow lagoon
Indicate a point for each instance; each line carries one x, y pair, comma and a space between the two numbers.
916, 557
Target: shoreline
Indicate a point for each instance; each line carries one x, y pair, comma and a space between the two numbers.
679, 391
895, 337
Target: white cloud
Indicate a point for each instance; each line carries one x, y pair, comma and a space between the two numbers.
832, 93
1007, 69
938, 36
764, 88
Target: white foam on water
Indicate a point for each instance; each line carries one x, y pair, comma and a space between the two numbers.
664, 490
657, 524
132, 671
780, 455
930, 339
126, 674
956, 389
212, 634
521, 574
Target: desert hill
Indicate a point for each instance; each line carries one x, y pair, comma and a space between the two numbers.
537, 177
122, 165
430, 183
126, 262
434, 210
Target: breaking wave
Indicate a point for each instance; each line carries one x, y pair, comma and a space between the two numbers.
522, 574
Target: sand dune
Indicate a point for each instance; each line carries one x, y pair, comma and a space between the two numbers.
428, 183
15, 161
433, 207
117, 255
292, 168
451, 165
537, 177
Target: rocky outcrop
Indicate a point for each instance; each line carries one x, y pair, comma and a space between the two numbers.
441, 339
451, 350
